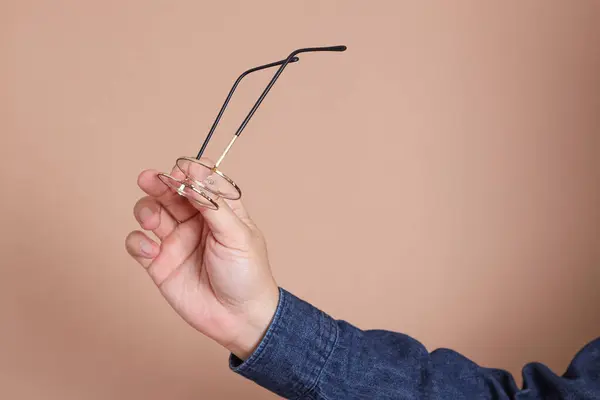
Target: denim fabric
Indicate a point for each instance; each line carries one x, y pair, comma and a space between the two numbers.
306, 354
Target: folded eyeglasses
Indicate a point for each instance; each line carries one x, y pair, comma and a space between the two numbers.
205, 184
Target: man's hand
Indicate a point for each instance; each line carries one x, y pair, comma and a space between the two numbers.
211, 265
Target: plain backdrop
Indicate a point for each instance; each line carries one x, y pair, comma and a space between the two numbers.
441, 178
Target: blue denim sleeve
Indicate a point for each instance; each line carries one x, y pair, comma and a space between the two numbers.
306, 354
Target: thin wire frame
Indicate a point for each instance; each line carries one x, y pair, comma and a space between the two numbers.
186, 187
200, 177
189, 191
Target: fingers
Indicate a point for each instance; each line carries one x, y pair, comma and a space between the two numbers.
153, 217
176, 205
141, 248
230, 224
176, 249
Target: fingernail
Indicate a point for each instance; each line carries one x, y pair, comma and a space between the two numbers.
146, 248
145, 214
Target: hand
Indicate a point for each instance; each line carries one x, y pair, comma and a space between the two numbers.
211, 265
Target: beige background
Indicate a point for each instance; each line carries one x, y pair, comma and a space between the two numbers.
463, 138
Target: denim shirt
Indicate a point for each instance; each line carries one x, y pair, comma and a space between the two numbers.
306, 354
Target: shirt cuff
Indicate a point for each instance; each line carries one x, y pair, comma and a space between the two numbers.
296, 347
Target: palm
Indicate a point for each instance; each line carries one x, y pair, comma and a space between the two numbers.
191, 282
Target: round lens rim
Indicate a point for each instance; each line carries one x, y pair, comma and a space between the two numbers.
216, 171
212, 204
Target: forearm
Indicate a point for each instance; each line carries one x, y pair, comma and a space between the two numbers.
294, 350
305, 353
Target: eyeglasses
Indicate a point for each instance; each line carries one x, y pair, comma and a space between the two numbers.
205, 184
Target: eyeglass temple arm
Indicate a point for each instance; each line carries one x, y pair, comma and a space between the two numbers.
276, 76
233, 88
268, 88
266, 91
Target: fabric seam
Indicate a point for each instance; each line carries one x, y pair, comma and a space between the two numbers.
333, 347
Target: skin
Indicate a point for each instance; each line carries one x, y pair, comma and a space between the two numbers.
211, 266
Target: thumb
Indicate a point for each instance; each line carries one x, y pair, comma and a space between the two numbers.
226, 227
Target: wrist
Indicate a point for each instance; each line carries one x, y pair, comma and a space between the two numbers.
254, 325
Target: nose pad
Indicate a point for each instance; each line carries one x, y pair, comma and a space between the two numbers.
180, 189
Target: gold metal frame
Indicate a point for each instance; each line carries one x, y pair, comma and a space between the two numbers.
213, 203
215, 170
203, 189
